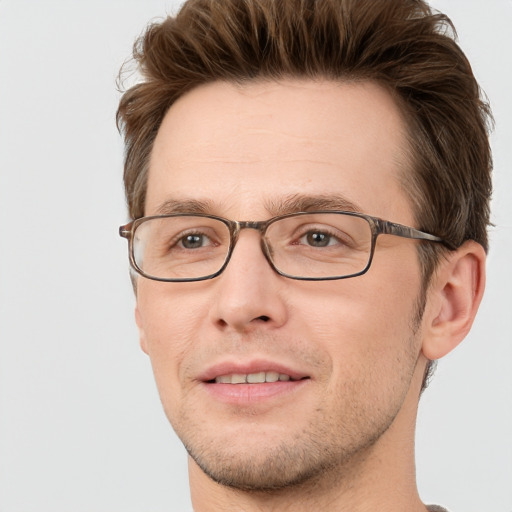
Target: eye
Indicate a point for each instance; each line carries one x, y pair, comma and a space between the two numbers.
194, 241
318, 239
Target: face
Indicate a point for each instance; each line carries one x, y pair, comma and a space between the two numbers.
343, 352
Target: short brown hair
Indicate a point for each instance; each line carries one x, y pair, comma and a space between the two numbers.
401, 44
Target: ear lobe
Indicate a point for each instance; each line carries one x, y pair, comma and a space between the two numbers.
454, 296
142, 334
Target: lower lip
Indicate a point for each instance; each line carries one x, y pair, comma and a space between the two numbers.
250, 393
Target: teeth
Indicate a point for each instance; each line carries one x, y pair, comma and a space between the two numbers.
237, 379
252, 378
273, 377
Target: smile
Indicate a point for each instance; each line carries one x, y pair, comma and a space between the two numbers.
253, 378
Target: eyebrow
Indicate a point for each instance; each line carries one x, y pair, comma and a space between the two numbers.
185, 206
276, 206
308, 203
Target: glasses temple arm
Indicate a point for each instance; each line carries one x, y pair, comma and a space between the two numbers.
391, 228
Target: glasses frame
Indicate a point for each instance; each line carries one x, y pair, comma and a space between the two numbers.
377, 226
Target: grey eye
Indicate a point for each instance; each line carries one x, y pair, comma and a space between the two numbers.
318, 239
194, 241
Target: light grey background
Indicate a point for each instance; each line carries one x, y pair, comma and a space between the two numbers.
81, 427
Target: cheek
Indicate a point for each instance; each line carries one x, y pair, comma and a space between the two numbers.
170, 325
364, 322
358, 308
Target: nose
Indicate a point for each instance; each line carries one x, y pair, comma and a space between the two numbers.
250, 294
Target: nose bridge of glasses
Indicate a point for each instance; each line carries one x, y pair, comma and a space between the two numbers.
247, 224
251, 224
260, 226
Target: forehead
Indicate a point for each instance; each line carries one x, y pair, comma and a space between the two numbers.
240, 147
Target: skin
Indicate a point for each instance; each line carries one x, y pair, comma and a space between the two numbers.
342, 438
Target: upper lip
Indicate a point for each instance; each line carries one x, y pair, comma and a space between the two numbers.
245, 368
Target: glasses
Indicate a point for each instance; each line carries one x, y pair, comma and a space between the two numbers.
310, 246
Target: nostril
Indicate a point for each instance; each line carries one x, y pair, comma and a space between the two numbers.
264, 318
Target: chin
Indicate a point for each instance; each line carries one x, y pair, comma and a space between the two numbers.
270, 469
266, 462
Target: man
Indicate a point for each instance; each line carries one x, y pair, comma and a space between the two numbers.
309, 183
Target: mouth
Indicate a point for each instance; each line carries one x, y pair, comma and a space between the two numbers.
254, 378
255, 382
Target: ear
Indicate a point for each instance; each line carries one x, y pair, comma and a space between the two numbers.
455, 292
142, 334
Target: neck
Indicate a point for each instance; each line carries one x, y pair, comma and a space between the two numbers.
381, 478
